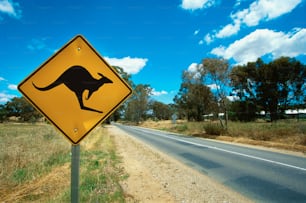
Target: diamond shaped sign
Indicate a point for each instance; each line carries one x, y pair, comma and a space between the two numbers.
76, 89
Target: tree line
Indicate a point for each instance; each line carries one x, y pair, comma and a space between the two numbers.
255, 87
212, 88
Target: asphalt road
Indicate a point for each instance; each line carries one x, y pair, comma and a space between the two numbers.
260, 175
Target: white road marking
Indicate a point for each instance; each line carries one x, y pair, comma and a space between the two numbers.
233, 152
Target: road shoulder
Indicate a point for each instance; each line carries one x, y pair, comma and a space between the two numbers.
156, 177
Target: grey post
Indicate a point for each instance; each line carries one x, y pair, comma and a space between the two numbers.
75, 168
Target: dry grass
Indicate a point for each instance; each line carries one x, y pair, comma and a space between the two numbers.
28, 154
35, 165
287, 134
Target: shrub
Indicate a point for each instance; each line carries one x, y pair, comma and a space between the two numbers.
181, 128
213, 129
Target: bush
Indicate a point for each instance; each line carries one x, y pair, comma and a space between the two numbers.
213, 129
181, 128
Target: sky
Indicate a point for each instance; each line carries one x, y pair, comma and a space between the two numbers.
153, 40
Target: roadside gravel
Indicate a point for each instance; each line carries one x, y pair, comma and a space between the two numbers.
156, 177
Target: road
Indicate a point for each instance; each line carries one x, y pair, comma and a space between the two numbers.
260, 175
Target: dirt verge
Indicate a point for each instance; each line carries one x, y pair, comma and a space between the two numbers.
156, 177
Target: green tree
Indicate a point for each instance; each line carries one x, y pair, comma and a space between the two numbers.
3, 113
243, 111
119, 113
160, 110
244, 84
217, 71
272, 87
137, 106
279, 85
19, 107
194, 99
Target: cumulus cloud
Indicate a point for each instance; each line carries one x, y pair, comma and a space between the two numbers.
10, 8
229, 30
6, 97
193, 67
265, 10
158, 93
12, 87
197, 4
129, 64
260, 10
262, 42
194, 70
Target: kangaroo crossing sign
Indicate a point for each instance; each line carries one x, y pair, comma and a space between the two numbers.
75, 89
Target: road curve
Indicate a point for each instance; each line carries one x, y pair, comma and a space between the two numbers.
260, 175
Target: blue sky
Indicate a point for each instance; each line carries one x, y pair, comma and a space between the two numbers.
154, 40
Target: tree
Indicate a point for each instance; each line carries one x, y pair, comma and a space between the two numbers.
137, 106
243, 111
194, 99
243, 80
119, 113
3, 113
244, 83
19, 107
217, 71
279, 85
160, 110
272, 87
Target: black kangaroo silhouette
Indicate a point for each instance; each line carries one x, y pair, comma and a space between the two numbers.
78, 79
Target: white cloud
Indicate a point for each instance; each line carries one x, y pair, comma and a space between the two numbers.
129, 65
208, 38
2, 79
229, 30
196, 32
6, 97
262, 42
10, 8
260, 10
213, 86
197, 4
12, 87
265, 10
193, 67
158, 93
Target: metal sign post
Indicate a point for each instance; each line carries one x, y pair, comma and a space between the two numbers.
75, 173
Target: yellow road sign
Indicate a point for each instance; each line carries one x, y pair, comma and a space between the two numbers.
76, 89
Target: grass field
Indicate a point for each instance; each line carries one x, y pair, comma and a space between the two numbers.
35, 165
35, 159
285, 134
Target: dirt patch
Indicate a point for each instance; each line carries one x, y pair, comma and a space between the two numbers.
156, 177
